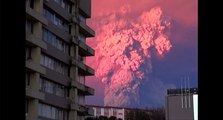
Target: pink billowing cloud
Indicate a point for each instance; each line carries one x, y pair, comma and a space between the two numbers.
108, 14
123, 58
184, 11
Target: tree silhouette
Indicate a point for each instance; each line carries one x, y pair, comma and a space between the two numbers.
112, 118
158, 113
152, 114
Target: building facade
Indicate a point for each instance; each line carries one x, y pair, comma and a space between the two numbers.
118, 112
56, 49
182, 104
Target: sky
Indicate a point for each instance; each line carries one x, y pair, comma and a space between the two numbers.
170, 68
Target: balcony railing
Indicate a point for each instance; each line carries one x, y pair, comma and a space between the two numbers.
31, 93
85, 29
84, 69
36, 16
35, 67
81, 109
56, 7
35, 41
82, 88
85, 50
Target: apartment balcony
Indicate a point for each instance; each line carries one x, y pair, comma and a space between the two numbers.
83, 89
82, 68
31, 93
82, 110
34, 41
64, 34
74, 106
86, 30
58, 9
35, 16
89, 70
62, 102
89, 91
85, 8
58, 78
35, 67
56, 53
84, 49
86, 111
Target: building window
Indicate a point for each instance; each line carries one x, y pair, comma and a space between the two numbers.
31, 4
55, 41
55, 19
106, 112
46, 86
70, 29
114, 112
81, 79
52, 112
53, 88
28, 53
54, 64
29, 27
70, 9
64, 4
98, 111
27, 78
81, 100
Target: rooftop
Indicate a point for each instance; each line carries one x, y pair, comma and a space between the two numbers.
182, 91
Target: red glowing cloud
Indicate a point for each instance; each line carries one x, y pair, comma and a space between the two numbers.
126, 31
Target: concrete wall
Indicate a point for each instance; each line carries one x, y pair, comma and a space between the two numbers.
178, 108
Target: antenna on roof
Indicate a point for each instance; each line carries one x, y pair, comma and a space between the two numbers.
181, 93
185, 83
189, 90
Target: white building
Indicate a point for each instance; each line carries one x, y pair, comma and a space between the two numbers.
118, 112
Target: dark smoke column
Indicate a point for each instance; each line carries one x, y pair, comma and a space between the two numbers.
123, 55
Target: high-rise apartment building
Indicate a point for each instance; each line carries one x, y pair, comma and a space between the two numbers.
56, 49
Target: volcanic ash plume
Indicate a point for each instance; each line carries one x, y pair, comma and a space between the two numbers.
123, 53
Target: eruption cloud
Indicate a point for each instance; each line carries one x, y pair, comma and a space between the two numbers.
123, 55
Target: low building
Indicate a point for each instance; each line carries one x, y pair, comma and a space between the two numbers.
118, 112
107, 111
